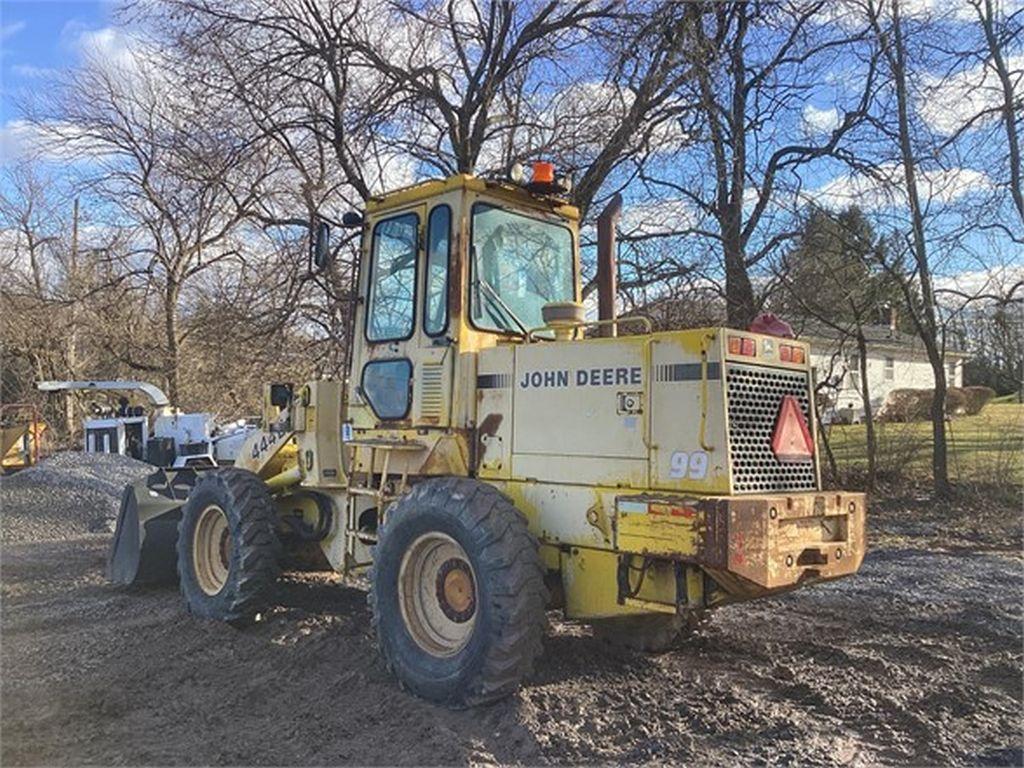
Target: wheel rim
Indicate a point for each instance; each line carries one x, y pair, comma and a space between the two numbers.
211, 550
437, 594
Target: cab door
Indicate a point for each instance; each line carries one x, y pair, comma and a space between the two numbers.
385, 364
432, 390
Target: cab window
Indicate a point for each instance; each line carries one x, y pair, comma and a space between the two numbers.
435, 302
392, 296
518, 264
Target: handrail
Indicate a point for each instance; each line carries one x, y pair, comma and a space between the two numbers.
705, 341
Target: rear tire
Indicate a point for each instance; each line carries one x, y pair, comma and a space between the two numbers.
227, 547
457, 593
648, 632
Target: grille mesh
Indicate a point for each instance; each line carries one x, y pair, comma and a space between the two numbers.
755, 396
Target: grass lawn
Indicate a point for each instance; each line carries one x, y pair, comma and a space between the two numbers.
988, 447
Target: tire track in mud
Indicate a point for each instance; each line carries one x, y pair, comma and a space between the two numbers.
917, 659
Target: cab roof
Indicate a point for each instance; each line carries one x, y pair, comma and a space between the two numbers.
502, 190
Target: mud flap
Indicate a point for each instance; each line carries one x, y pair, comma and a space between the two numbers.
143, 550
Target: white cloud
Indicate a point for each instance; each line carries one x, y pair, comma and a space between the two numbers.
887, 190
108, 44
656, 217
994, 281
8, 31
389, 170
50, 141
950, 102
851, 14
817, 121
32, 71
19, 138
960, 10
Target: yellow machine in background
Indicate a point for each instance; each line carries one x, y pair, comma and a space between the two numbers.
495, 455
21, 436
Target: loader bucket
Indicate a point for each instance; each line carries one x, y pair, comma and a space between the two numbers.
144, 547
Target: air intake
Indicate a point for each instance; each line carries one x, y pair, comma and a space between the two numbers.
431, 395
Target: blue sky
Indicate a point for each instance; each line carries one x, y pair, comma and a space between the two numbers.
39, 36
36, 35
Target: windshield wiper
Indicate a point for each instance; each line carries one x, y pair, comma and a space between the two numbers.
496, 298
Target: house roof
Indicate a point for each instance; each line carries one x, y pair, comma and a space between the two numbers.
876, 335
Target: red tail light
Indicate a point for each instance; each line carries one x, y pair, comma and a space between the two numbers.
741, 345
790, 354
792, 440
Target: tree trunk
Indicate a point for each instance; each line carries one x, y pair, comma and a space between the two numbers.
1008, 107
927, 324
823, 436
71, 348
172, 358
739, 293
869, 415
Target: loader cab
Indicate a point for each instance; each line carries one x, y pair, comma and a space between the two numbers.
448, 268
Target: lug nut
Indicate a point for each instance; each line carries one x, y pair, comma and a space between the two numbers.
839, 554
789, 561
773, 513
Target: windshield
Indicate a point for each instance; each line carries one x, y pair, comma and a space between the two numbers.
519, 265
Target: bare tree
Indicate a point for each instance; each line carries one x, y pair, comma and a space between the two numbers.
916, 281
751, 64
168, 164
49, 279
1000, 30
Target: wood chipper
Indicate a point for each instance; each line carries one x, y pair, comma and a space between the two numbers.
493, 455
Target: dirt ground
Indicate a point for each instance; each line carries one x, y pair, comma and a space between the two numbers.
917, 659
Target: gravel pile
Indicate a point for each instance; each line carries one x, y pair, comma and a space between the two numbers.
67, 495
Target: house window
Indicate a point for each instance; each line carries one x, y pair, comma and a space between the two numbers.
951, 376
890, 368
854, 366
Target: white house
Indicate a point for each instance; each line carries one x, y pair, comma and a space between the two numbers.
895, 360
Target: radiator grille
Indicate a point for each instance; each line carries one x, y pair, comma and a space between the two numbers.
431, 391
755, 395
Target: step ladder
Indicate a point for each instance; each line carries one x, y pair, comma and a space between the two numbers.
361, 484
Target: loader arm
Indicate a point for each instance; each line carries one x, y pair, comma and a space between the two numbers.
302, 446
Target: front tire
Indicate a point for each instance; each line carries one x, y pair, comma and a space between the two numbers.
227, 547
457, 593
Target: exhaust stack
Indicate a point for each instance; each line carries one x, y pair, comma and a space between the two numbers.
607, 273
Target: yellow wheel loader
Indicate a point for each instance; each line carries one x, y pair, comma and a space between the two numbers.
493, 455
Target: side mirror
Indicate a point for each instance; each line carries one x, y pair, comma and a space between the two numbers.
320, 253
352, 220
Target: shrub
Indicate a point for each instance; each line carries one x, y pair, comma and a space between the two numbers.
956, 401
977, 398
905, 405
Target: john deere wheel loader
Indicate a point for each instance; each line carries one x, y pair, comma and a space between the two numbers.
494, 454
